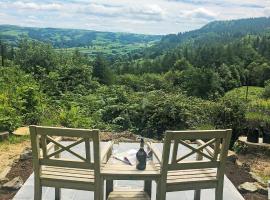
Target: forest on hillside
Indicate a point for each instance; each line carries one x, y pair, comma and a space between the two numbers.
199, 82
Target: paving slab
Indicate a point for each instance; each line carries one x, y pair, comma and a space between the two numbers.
27, 190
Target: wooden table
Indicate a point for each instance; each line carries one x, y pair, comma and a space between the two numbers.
117, 170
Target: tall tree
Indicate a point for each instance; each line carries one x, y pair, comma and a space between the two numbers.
101, 70
2, 48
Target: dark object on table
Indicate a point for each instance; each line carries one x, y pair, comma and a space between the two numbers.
253, 136
141, 157
266, 137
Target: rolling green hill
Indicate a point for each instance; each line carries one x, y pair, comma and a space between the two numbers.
219, 32
87, 41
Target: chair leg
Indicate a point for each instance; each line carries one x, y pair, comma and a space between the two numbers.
197, 194
219, 192
57, 193
148, 187
37, 192
101, 190
109, 187
98, 193
161, 191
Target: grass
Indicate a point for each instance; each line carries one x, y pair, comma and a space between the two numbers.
254, 93
14, 139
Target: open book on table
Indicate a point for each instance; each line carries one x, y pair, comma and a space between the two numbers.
128, 157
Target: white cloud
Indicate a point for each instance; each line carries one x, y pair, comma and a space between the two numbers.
143, 12
267, 11
140, 16
201, 13
36, 6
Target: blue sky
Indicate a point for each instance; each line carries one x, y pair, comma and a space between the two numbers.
136, 16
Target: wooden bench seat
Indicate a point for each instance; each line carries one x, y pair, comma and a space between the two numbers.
67, 176
128, 195
191, 175
67, 173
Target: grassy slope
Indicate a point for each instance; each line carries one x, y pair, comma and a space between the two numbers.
254, 93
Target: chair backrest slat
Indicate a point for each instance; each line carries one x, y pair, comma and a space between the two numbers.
87, 153
46, 134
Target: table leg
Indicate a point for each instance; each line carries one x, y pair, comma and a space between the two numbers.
148, 187
109, 187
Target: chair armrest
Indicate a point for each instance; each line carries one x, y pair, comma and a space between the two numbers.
155, 151
105, 151
209, 150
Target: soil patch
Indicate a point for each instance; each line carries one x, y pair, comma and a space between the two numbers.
22, 168
239, 175
257, 164
11, 152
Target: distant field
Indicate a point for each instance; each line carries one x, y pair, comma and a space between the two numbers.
86, 41
108, 48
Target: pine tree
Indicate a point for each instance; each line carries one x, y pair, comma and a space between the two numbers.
101, 70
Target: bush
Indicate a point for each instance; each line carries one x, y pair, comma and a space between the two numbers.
229, 113
73, 118
158, 111
20, 99
9, 117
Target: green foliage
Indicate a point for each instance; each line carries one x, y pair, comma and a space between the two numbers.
229, 112
145, 82
9, 118
159, 111
181, 65
20, 99
240, 148
101, 70
72, 117
201, 82
35, 57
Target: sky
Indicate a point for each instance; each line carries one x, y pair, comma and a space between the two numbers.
135, 16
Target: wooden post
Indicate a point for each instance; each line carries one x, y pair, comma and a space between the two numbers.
197, 193
57, 190
36, 166
148, 187
109, 187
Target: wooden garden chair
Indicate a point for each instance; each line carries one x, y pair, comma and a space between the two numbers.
179, 172
82, 172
